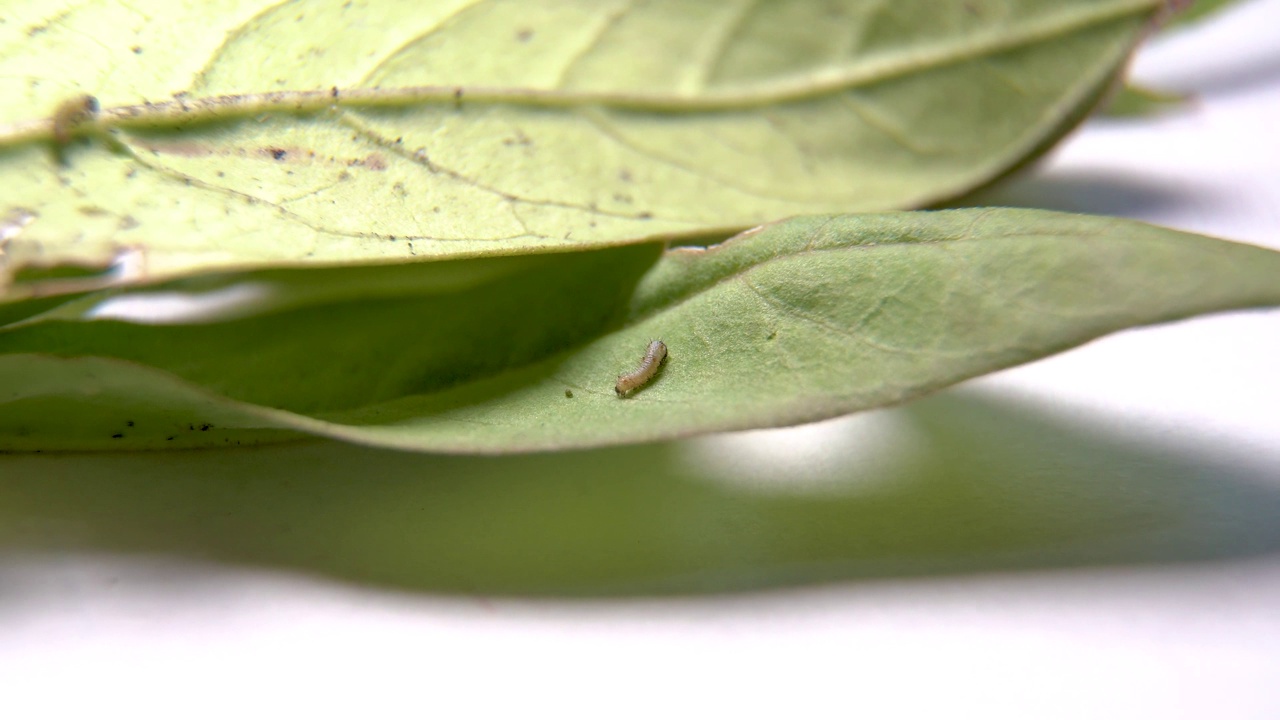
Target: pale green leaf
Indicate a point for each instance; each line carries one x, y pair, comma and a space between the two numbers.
798, 321
1139, 101
455, 129
1188, 12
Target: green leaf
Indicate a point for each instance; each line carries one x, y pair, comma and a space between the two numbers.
1138, 101
798, 321
1196, 10
252, 135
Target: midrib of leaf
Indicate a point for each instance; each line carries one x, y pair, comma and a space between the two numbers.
823, 82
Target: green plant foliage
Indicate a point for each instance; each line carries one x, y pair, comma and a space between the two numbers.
1196, 10
797, 321
251, 134
1137, 101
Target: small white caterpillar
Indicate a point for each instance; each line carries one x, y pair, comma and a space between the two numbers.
649, 364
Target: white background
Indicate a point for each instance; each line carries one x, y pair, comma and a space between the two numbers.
102, 634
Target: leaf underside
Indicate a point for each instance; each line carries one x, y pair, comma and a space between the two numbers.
551, 125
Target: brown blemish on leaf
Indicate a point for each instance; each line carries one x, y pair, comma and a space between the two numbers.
519, 139
373, 161
524, 35
278, 154
72, 113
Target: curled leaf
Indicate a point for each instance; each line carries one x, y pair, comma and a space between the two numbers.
802, 320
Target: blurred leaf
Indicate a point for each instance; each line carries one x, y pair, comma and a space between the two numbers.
1197, 10
461, 129
802, 320
1138, 101
964, 484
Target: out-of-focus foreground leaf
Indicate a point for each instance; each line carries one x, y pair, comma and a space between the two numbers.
805, 319
452, 128
1196, 10
1138, 101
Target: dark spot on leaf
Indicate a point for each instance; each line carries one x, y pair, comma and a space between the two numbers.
277, 153
205, 427
92, 211
334, 92
117, 436
772, 335
624, 175
524, 35
645, 215
128, 423
568, 393
71, 114
170, 437
136, 50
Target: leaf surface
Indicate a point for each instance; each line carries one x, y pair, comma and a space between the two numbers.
240, 135
802, 320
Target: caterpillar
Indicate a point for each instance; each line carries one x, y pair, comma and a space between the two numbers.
654, 355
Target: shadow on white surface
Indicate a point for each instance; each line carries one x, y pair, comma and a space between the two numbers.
983, 484
1098, 192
